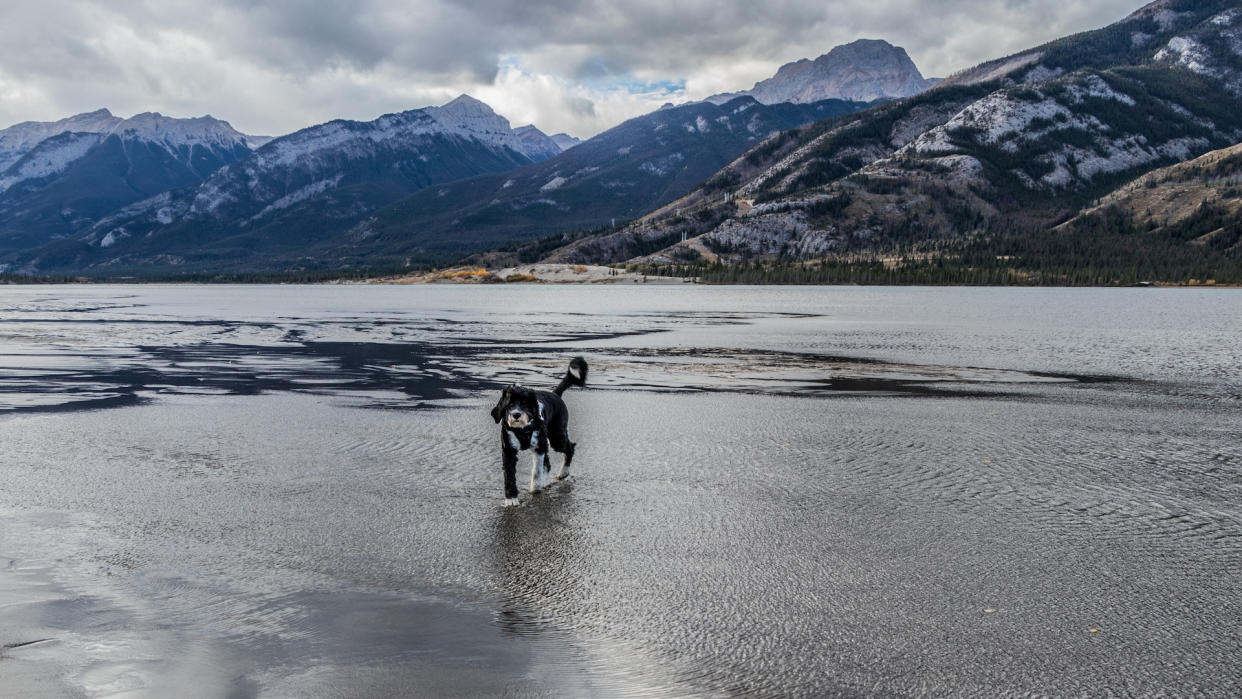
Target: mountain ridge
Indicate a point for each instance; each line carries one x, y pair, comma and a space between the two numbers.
999, 151
91, 164
299, 188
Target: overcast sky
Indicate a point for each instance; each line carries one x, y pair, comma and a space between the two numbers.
271, 67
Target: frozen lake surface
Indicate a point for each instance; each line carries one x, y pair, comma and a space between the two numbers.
296, 491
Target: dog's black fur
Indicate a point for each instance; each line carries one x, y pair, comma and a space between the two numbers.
531, 419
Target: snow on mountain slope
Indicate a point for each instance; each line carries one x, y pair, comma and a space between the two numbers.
49, 157
36, 150
1214, 50
19, 139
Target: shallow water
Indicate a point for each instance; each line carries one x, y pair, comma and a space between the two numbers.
291, 491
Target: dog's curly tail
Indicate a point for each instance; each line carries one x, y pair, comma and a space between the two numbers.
575, 376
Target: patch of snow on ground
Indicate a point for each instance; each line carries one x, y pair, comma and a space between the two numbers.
1226, 18
662, 166
1094, 86
554, 183
211, 196
1120, 155
1000, 114
962, 166
933, 141
1187, 53
1041, 73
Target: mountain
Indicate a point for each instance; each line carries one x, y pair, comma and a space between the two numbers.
1197, 202
619, 174
19, 139
61, 177
989, 162
565, 141
290, 198
537, 144
863, 71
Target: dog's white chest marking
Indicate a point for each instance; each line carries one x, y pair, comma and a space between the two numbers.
513, 441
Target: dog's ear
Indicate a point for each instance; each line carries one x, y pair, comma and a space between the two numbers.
499, 411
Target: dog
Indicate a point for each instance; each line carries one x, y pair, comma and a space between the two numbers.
531, 419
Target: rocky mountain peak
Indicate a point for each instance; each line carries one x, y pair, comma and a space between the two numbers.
462, 107
537, 144
862, 71
471, 118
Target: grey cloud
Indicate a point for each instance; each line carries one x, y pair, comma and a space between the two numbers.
582, 106
278, 64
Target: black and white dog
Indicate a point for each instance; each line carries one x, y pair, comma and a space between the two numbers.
531, 419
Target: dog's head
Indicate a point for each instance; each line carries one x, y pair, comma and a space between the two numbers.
517, 406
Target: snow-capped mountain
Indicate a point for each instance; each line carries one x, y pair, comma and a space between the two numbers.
19, 139
308, 186
63, 176
37, 150
615, 176
862, 71
174, 133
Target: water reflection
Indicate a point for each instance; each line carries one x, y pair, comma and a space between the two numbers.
535, 559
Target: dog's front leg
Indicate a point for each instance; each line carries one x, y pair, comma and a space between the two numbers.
539, 444
509, 460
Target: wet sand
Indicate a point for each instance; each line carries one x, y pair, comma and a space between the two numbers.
306, 501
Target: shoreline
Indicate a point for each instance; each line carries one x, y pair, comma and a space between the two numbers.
558, 273
537, 273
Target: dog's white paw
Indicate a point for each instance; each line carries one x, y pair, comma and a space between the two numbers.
511, 502
562, 474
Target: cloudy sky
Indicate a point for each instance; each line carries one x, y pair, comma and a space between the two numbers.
271, 67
